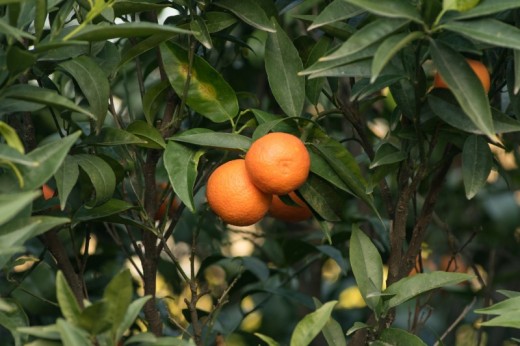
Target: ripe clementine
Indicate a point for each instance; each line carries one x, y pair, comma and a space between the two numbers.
47, 192
232, 195
290, 213
478, 67
278, 163
455, 264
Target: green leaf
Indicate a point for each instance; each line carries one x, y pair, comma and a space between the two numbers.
31, 93
142, 47
109, 136
18, 60
313, 87
486, 7
250, 12
101, 176
389, 47
361, 68
11, 137
12, 203
148, 133
268, 340
464, 85
366, 36
12, 317
50, 332
319, 196
110, 208
222, 140
181, 164
509, 294
66, 177
39, 18
412, 286
208, 93
311, 325
200, 31
387, 154
125, 30
93, 83
337, 10
69, 306
477, 161
510, 319
130, 315
357, 326
503, 307
49, 158
282, 64
367, 267
217, 21
332, 330
454, 116
389, 8
72, 335
516, 68
491, 31
153, 99
395, 336
94, 319
9, 154
118, 295
346, 167
364, 88
11, 31
321, 168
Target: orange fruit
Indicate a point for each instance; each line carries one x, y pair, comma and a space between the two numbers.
278, 163
478, 67
47, 192
163, 205
290, 213
455, 264
232, 195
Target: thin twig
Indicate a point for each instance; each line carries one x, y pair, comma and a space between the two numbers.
464, 312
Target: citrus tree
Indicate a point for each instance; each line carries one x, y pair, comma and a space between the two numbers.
259, 172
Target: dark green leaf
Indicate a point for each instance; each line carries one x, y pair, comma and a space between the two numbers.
12, 317
389, 47
455, 117
148, 133
11, 204
18, 60
387, 154
390, 8
208, 93
412, 286
321, 168
313, 87
31, 93
367, 267
221, 140
123, 7
487, 30
181, 163
315, 193
93, 83
366, 36
144, 46
49, 158
66, 299
11, 31
249, 11
361, 68
66, 177
9, 154
516, 68
217, 21
282, 64
40, 15
335, 11
201, 33
364, 88
311, 325
101, 176
153, 99
112, 207
286, 125
110, 136
395, 336
18, 231
127, 30
464, 85
256, 266
357, 326
477, 161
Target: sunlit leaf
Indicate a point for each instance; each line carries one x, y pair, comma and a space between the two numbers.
389, 8
311, 325
12, 203
69, 306
486, 7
